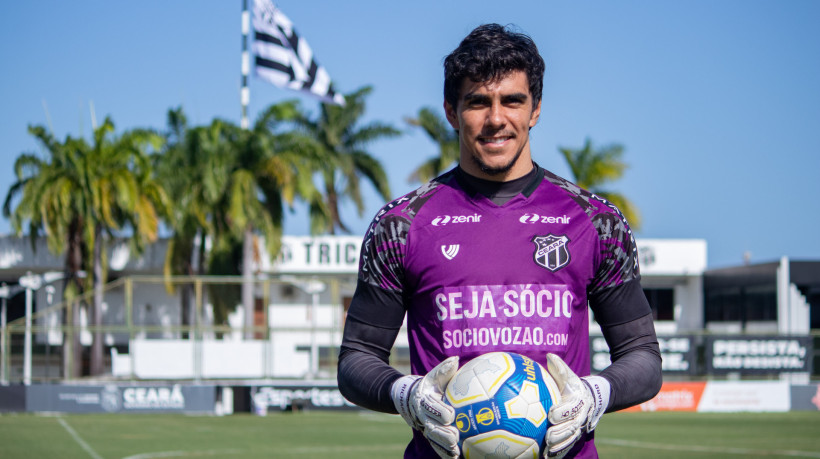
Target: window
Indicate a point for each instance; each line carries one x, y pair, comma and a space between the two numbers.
662, 301
761, 303
741, 304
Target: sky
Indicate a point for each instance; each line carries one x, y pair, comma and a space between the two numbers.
716, 103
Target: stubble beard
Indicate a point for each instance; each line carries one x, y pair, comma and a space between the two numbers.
494, 171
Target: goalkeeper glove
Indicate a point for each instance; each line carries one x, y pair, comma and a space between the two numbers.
420, 401
583, 402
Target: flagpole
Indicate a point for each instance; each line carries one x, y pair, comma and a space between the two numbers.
245, 93
247, 241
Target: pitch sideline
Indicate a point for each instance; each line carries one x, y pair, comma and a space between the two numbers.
85, 446
160, 454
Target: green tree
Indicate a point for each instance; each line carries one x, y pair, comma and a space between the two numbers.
43, 192
342, 143
230, 185
270, 169
594, 168
125, 199
85, 195
444, 136
187, 170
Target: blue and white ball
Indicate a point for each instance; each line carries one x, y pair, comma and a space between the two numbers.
501, 402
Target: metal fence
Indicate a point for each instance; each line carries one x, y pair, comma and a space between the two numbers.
171, 328
157, 328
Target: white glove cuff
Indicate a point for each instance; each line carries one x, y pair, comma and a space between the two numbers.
600, 389
400, 393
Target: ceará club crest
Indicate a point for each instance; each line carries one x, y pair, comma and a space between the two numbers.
551, 251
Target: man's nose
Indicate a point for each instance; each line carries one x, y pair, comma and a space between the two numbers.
495, 117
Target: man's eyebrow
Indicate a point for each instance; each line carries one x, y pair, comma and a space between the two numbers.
474, 97
513, 97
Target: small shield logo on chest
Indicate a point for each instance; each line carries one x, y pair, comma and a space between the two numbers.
551, 251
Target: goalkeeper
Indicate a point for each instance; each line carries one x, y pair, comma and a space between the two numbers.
498, 254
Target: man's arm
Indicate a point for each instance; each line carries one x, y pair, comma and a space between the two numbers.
373, 321
635, 373
625, 318
621, 309
366, 379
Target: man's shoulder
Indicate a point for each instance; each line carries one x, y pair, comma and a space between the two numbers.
606, 220
386, 240
594, 206
410, 204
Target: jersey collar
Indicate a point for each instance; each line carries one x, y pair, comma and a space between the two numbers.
500, 192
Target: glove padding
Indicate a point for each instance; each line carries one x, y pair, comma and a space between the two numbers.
583, 402
420, 401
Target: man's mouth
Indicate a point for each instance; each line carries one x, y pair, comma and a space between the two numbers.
494, 140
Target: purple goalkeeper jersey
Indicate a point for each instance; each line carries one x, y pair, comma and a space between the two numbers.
477, 277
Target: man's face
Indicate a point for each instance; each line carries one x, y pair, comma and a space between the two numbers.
493, 120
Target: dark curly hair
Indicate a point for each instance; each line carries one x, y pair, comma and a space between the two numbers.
489, 52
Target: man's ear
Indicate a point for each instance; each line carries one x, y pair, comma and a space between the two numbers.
536, 113
451, 114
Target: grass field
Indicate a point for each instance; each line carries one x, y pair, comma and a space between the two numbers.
319, 434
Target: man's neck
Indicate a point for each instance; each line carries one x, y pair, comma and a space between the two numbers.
498, 192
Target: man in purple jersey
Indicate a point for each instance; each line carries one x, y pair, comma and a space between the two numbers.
498, 254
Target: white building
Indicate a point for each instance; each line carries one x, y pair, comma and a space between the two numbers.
300, 303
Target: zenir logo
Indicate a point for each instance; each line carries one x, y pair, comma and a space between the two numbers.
442, 220
450, 251
535, 218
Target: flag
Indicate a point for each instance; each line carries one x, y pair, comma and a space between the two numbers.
284, 58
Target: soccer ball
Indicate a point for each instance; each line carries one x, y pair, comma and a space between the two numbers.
501, 402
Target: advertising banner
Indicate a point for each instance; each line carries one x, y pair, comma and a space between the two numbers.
674, 396
752, 396
677, 352
284, 398
758, 355
12, 398
317, 254
112, 398
805, 398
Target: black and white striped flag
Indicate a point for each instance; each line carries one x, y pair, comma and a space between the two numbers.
284, 58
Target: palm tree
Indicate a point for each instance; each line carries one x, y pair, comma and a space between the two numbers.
43, 191
342, 143
232, 184
593, 168
199, 169
188, 169
123, 196
84, 195
445, 137
280, 161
